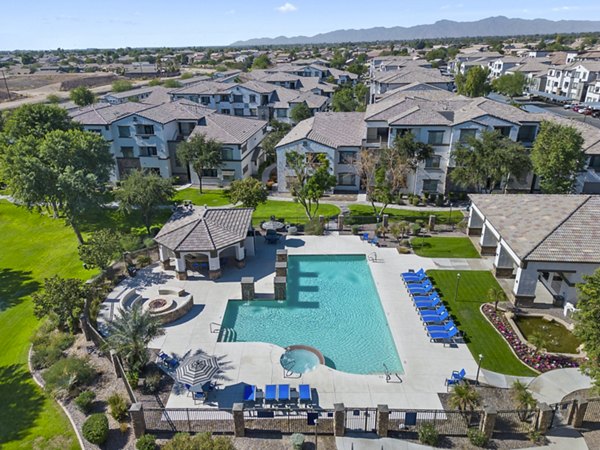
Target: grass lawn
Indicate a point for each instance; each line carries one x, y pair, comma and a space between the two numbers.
480, 335
444, 247
33, 248
409, 215
290, 211
210, 197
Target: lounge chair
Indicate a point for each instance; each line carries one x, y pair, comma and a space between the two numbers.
305, 397
375, 241
270, 393
419, 277
444, 336
252, 395
198, 397
428, 304
435, 318
418, 273
422, 289
456, 375
364, 237
435, 328
427, 297
283, 393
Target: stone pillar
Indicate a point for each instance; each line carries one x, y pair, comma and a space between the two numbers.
165, 259
115, 364
340, 222
579, 413
503, 263
488, 422
282, 255
214, 266
180, 269
386, 220
281, 269
487, 242
239, 428
545, 418
248, 288
524, 287
569, 412
280, 288
431, 224
475, 223
322, 220
339, 419
240, 256
138, 422
383, 420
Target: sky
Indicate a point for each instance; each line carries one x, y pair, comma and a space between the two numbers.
49, 24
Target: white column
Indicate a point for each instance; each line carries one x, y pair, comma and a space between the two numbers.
503, 258
487, 237
475, 220
240, 253
163, 253
213, 262
525, 284
180, 263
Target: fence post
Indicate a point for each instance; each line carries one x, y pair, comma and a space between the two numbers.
115, 363
247, 288
571, 408
488, 423
83, 323
239, 427
579, 414
545, 418
383, 420
340, 222
138, 422
339, 419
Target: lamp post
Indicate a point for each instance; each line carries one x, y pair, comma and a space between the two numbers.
457, 283
478, 369
451, 223
316, 434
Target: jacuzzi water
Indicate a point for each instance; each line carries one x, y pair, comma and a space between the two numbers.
299, 360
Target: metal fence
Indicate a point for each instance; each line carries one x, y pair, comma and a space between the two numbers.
361, 419
288, 421
516, 421
188, 420
449, 423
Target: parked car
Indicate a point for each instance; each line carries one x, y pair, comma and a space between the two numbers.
596, 114
586, 111
576, 108
568, 105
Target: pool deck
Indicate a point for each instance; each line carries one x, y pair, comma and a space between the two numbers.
426, 364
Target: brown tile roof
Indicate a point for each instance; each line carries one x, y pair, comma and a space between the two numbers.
229, 129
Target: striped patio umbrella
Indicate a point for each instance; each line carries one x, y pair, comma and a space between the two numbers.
197, 370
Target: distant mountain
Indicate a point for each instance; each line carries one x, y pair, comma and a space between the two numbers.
492, 26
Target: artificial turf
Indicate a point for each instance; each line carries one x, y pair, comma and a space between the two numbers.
444, 247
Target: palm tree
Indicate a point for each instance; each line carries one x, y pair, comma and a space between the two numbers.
496, 295
464, 398
201, 153
130, 334
523, 399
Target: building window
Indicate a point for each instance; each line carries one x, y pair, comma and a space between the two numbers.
526, 133
148, 151
224, 98
95, 130
238, 99
252, 98
347, 179
205, 100
226, 111
124, 131
127, 152
466, 134
403, 131
238, 112
281, 113
433, 162
246, 168
595, 163
435, 138
430, 185
227, 153
144, 129
347, 157
211, 173
504, 131
253, 112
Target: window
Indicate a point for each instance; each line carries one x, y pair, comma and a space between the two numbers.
238, 99
252, 98
205, 100
433, 162
224, 98
95, 130
430, 185
347, 157
435, 138
526, 133
281, 113
504, 131
210, 173
595, 163
227, 153
127, 152
403, 131
347, 179
246, 168
253, 112
226, 111
148, 151
144, 129
124, 131
238, 112
466, 134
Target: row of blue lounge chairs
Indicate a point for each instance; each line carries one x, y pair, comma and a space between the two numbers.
436, 318
278, 395
371, 240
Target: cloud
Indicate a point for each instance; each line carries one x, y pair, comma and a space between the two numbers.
231, 12
286, 8
453, 6
565, 8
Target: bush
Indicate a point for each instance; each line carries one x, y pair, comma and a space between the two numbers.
118, 407
415, 201
49, 345
439, 200
428, 435
152, 383
130, 242
133, 378
355, 229
403, 250
314, 227
297, 441
149, 242
146, 442
144, 260
67, 375
95, 429
415, 229
405, 243
85, 400
202, 441
122, 86
477, 438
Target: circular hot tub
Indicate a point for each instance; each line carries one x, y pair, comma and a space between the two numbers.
300, 359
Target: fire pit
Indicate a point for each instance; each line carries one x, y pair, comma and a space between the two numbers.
159, 305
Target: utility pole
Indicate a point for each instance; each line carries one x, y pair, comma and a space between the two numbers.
6, 85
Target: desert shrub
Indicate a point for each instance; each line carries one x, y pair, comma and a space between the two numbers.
144, 260
405, 243
133, 378
118, 406
84, 401
48, 345
403, 250
152, 383
297, 441
149, 242
355, 229
66, 376
415, 229
314, 227
477, 438
202, 441
428, 435
146, 442
95, 429
415, 201
123, 427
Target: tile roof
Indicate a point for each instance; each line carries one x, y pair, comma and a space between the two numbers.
229, 129
205, 229
178, 110
104, 114
411, 75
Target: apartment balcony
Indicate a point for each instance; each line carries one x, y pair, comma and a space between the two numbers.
379, 142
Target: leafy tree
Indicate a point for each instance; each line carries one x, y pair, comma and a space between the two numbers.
523, 399
486, 161
201, 154
338, 60
144, 192
62, 297
310, 180
100, 250
509, 84
82, 96
300, 112
557, 157
279, 130
495, 296
122, 85
464, 398
249, 192
130, 333
474, 83
172, 84
36, 121
261, 62
587, 319
343, 100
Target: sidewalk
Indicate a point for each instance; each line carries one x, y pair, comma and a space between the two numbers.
553, 386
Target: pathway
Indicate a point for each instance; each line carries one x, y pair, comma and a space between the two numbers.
267, 172
553, 386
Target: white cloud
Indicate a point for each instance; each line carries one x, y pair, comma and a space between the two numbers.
286, 8
565, 8
231, 12
453, 6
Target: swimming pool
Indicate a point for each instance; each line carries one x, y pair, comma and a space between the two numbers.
333, 305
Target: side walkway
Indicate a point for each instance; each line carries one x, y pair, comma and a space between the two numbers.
553, 386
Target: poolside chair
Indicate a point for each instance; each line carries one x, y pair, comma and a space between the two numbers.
305, 397
446, 327
456, 375
435, 318
426, 297
375, 241
419, 275
444, 336
270, 393
283, 393
422, 289
428, 304
415, 279
252, 395
199, 397
364, 237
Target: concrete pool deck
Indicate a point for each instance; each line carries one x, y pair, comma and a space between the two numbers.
426, 364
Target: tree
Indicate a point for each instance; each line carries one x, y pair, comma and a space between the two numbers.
62, 297
130, 333
557, 157
122, 85
261, 62
343, 100
82, 96
172, 84
523, 399
474, 83
338, 60
496, 295
279, 130
510, 84
36, 121
464, 398
300, 112
310, 180
249, 192
485, 162
587, 319
201, 154
100, 250
144, 192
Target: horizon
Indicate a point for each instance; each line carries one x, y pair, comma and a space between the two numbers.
67, 24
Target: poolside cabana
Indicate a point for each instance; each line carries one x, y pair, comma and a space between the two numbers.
201, 236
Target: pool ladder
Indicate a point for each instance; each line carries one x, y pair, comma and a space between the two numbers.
225, 334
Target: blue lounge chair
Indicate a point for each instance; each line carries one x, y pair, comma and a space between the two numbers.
305, 396
249, 393
283, 393
444, 336
419, 278
375, 241
451, 381
449, 330
456, 375
427, 297
418, 274
428, 304
270, 393
199, 397
422, 289
446, 327
364, 237
435, 318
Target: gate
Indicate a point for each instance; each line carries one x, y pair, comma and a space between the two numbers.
559, 413
361, 420
516, 422
187, 420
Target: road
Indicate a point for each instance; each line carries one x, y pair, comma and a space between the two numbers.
559, 110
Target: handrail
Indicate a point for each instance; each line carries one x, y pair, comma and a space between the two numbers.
213, 325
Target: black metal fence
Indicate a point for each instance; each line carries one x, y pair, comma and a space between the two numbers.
361, 420
288, 421
175, 420
516, 422
449, 423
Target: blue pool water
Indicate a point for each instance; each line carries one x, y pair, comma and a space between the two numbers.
332, 305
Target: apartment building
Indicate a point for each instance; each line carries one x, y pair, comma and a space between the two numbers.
572, 81
385, 81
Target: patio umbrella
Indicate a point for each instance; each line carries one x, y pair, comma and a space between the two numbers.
272, 225
197, 370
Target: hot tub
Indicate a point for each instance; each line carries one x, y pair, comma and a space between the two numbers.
300, 359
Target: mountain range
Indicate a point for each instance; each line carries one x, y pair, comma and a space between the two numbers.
491, 26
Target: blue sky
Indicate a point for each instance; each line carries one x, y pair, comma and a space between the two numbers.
48, 24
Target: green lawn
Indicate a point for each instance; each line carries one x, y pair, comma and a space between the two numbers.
208, 198
480, 335
33, 248
367, 216
292, 212
444, 247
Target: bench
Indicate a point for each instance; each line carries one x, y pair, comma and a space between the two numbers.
179, 292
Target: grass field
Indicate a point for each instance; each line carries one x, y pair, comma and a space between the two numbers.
444, 217
33, 247
481, 336
208, 198
444, 247
290, 211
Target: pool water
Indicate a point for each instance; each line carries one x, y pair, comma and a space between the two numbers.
299, 361
332, 305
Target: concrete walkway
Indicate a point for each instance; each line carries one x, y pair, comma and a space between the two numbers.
499, 380
267, 172
553, 386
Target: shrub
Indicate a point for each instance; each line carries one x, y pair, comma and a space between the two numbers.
49, 344
146, 442
314, 227
123, 427
144, 260
152, 383
477, 438
415, 229
439, 200
355, 229
133, 378
403, 250
85, 400
536, 437
67, 375
428, 435
122, 85
130, 242
95, 429
297, 441
149, 242
405, 243
118, 407
414, 201
202, 441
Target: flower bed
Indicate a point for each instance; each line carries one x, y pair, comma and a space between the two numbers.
542, 362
